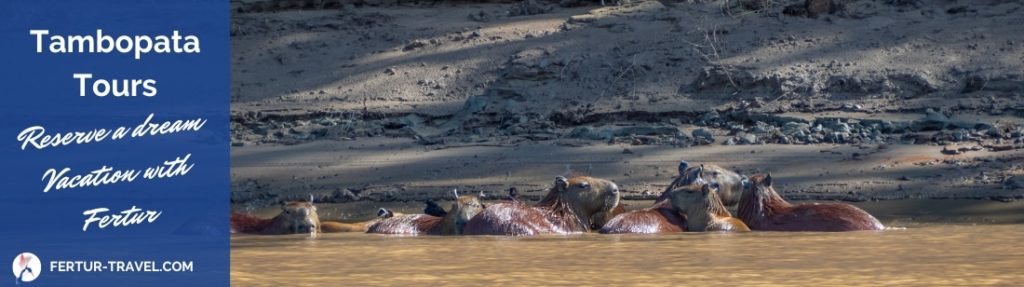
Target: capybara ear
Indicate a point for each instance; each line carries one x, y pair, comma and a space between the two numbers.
310, 198
744, 181
682, 166
767, 180
385, 213
561, 182
700, 171
456, 193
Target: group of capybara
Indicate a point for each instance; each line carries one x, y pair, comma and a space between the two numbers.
695, 201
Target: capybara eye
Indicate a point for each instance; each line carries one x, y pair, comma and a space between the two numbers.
584, 185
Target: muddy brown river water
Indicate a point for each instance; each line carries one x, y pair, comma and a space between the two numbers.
928, 254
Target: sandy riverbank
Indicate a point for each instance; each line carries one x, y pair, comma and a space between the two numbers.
381, 103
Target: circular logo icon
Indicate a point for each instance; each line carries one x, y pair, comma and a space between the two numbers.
26, 267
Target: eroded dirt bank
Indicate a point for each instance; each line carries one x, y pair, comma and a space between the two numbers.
875, 100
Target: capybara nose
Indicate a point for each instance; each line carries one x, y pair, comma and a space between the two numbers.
613, 188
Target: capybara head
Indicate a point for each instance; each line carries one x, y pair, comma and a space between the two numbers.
702, 206
696, 197
760, 182
760, 186
297, 217
591, 200
730, 183
758, 193
464, 209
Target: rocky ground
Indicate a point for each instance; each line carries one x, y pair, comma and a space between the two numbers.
376, 101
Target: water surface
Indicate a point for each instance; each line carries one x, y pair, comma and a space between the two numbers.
921, 255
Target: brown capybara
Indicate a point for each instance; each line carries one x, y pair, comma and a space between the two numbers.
762, 208
659, 218
572, 205
662, 217
295, 217
730, 183
336, 226
451, 223
704, 209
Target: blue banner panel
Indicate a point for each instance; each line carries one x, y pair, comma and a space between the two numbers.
114, 140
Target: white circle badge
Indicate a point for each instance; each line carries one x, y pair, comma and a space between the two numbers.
26, 267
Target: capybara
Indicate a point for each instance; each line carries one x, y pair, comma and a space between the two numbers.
451, 222
295, 217
659, 218
572, 205
730, 183
662, 217
704, 209
336, 226
762, 208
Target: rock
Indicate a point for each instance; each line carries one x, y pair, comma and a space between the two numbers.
644, 134
584, 18
959, 9
704, 134
1014, 182
902, 3
481, 16
748, 139
973, 83
627, 151
730, 141
755, 5
837, 126
960, 135
710, 117
932, 115
762, 128
933, 120
795, 10
1003, 83
950, 150
819, 7
414, 45
529, 7
647, 131
994, 132
793, 128
343, 195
